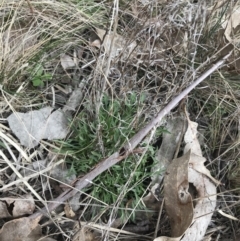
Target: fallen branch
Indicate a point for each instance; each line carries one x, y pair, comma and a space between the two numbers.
129, 147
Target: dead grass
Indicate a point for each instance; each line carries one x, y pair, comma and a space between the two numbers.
156, 49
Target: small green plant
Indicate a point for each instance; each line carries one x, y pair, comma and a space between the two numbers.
39, 77
117, 122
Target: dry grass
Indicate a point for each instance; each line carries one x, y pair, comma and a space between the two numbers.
174, 41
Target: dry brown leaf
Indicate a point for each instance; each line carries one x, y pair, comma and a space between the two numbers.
232, 24
23, 229
205, 204
178, 200
84, 234
197, 163
68, 211
117, 41
18, 229
196, 160
19, 206
199, 176
168, 147
4, 211
191, 139
46, 239
35, 234
67, 62
185, 222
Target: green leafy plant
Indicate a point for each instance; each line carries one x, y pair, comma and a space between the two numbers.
117, 121
39, 77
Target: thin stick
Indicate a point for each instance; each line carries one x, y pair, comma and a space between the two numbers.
129, 147
158, 221
136, 139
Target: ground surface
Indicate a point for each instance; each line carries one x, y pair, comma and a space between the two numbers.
79, 79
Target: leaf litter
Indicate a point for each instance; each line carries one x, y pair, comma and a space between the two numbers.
188, 221
33, 126
22, 229
198, 211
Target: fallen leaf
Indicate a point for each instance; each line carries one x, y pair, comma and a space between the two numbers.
67, 62
192, 143
191, 140
21, 205
23, 229
4, 210
205, 204
84, 234
68, 211
17, 206
175, 191
35, 234
74, 100
118, 44
168, 148
199, 176
178, 200
46, 239
36, 125
18, 229
197, 163
232, 24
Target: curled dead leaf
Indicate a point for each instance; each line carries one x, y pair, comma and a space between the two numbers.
85, 234
18, 229
178, 200
17, 206
197, 163
4, 210
68, 211
205, 204
191, 140
113, 43
189, 169
196, 160
199, 176
23, 229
